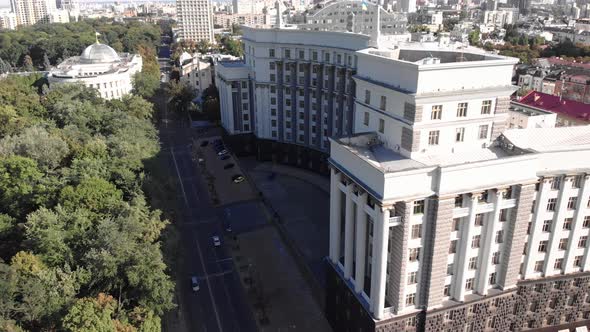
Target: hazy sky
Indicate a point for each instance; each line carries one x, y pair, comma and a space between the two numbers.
4, 3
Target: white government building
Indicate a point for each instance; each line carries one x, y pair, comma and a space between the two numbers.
99, 67
440, 219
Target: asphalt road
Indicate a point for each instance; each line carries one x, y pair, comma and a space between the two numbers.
220, 304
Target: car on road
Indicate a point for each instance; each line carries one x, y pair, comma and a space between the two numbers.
216, 241
222, 152
204, 143
228, 166
238, 178
224, 157
195, 284
228, 227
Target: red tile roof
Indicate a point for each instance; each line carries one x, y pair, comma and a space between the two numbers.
551, 103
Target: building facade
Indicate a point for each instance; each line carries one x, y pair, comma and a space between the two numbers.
196, 72
99, 67
8, 20
226, 20
29, 12
195, 20
355, 16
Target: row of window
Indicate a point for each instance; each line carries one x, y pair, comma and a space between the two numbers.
434, 135
437, 110
339, 59
559, 264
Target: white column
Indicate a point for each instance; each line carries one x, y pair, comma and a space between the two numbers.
348, 233
536, 228
577, 227
361, 236
492, 225
464, 248
557, 226
380, 238
335, 217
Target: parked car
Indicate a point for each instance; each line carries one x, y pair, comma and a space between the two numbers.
224, 157
218, 148
222, 152
228, 227
195, 284
228, 166
216, 241
204, 143
238, 178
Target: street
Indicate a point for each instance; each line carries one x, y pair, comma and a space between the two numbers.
219, 304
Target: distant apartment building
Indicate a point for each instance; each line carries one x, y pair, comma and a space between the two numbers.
195, 20
8, 20
524, 116
574, 87
251, 6
355, 16
196, 71
226, 20
59, 16
29, 12
499, 18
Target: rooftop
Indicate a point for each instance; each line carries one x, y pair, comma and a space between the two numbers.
550, 139
555, 104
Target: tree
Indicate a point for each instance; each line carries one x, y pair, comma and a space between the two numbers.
38, 144
181, 95
92, 315
19, 180
146, 82
28, 64
96, 195
203, 46
46, 62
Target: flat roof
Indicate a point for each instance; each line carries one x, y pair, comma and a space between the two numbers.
550, 139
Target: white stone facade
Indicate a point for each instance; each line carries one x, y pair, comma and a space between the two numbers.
196, 72
101, 68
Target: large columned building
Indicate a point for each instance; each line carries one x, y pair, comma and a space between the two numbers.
440, 219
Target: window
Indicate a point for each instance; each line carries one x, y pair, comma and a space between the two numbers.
459, 201
586, 222
492, 278
367, 97
563, 244
469, 284
453, 247
543, 246
496, 258
272, 66
314, 56
582, 241
410, 299
433, 137
411, 321
327, 57
555, 183
539, 266
567, 224
547, 225
366, 119
462, 110
419, 207
551, 204
578, 261
383, 103
447, 290
412, 278
500, 236
475, 241
244, 85
301, 54
273, 101
479, 219
459, 134
273, 77
381, 126
287, 54
436, 113
414, 254
503, 215
483, 131
271, 53
456, 224
528, 228
473, 263
577, 181
486, 107
273, 123
450, 269
571, 203
558, 264
416, 231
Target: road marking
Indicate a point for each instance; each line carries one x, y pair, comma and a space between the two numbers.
209, 287
179, 178
231, 306
224, 259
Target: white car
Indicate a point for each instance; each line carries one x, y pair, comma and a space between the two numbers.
222, 152
216, 241
195, 284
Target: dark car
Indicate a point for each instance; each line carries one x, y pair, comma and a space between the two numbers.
204, 143
238, 178
228, 166
224, 157
218, 148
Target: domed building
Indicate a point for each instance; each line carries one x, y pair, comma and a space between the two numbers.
99, 67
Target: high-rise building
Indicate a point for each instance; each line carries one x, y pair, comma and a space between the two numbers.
29, 12
195, 20
7, 20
